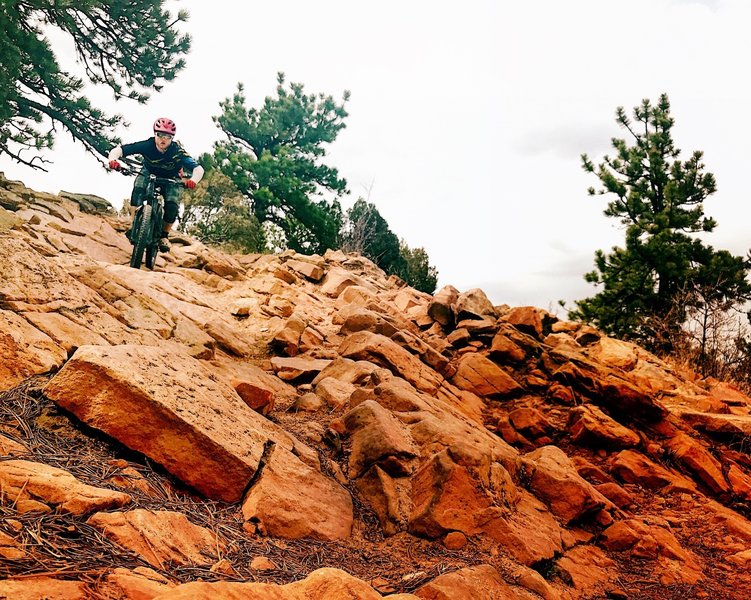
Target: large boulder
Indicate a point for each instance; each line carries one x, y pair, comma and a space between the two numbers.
377, 437
441, 307
382, 351
473, 304
25, 351
168, 406
480, 375
553, 478
589, 425
292, 500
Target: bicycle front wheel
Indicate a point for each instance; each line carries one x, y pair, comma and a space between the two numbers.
141, 235
153, 249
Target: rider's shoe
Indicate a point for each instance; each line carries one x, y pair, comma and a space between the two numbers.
164, 244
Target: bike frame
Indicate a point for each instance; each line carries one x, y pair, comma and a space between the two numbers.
147, 224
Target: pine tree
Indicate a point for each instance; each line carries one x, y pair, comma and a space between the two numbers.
368, 233
664, 269
131, 47
218, 214
273, 156
417, 270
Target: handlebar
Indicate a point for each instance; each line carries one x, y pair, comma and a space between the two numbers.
128, 172
156, 179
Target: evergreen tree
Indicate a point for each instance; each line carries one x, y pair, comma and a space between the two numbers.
664, 268
417, 270
368, 233
273, 155
131, 47
218, 214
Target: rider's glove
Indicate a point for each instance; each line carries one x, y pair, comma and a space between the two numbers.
190, 184
115, 166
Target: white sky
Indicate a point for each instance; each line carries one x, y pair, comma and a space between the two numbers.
467, 121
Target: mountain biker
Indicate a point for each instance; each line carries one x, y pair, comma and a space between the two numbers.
163, 156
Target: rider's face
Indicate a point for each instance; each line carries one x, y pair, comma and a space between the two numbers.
163, 141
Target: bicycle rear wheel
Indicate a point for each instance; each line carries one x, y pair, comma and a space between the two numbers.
141, 235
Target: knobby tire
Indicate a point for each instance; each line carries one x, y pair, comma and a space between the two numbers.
153, 249
151, 253
142, 236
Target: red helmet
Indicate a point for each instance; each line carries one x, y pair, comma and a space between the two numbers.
163, 125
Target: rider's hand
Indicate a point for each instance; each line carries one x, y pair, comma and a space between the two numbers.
189, 183
115, 166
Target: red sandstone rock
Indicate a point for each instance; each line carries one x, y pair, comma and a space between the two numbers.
530, 422
197, 428
441, 307
483, 377
337, 280
482, 582
634, 467
473, 304
367, 320
292, 500
141, 583
307, 269
24, 350
587, 568
35, 486
322, 584
590, 425
377, 437
159, 537
260, 399
389, 497
553, 478
446, 497
653, 543
527, 319
334, 392
47, 588
699, 462
380, 350
505, 349
288, 338
299, 367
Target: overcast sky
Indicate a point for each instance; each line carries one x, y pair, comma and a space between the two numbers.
467, 120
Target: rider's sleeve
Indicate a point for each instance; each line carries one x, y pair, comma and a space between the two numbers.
115, 153
190, 164
197, 173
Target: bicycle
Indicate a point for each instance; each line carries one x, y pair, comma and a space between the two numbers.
148, 221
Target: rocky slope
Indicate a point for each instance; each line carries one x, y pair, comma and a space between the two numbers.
297, 426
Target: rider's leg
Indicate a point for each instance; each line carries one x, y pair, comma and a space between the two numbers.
171, 208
